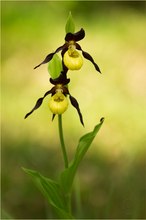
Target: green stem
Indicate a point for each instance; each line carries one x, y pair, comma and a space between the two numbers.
78, 196
62, 141
68, 196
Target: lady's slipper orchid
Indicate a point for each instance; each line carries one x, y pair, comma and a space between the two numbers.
58, 103
71, 58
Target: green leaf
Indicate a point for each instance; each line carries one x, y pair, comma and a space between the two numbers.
85, 141
52, 191
70, 26
55, 66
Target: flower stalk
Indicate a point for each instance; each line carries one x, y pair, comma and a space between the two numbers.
61, 136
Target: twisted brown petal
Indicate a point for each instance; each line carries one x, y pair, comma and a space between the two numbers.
38, 103
50, 56
53, 116
88, 57
76, 105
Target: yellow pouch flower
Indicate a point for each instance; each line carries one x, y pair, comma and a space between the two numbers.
73, 60
58, 103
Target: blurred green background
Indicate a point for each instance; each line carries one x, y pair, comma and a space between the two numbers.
113, 174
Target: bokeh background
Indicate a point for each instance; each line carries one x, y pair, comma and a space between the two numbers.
112, 176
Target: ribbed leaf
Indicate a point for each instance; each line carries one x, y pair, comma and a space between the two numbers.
85, 141
70, 26
52, 191
55, 66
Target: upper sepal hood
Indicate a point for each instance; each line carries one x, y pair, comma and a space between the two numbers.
75, 36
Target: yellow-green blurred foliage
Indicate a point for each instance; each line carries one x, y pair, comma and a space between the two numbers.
112, 175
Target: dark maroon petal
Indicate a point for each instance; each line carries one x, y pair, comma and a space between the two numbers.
64, 50
53, 116
62, 79
46, 60
69, 37
61, 48
50, 56
88, 57
79, 35
65, 69
38, 103
76, 105
76, 36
